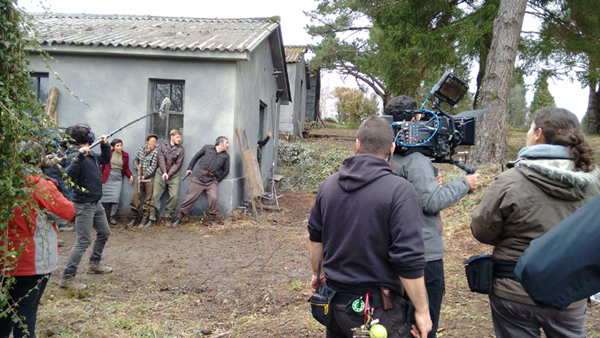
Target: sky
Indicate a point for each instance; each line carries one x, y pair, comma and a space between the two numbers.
293, 22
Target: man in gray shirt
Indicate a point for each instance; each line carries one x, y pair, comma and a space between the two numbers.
418, 170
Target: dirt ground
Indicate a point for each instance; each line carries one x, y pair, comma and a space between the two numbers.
244, 278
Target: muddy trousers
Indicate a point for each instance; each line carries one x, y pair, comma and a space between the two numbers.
172, 184
26, 292
513, 319
88, 216
195, 190
136, 199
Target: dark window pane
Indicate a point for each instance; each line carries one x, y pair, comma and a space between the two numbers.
43, 90
159, 126
35, 85
177, 97
176, 122
162, 90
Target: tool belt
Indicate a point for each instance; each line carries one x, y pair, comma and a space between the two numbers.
483, 270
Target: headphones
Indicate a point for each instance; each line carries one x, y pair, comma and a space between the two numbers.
90, 135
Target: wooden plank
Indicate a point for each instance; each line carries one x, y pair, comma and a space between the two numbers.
51, 102
251, 168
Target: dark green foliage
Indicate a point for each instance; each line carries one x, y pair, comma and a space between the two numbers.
21, 119
400, 47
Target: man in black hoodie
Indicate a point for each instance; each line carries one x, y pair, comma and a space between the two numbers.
83, 166
366, 226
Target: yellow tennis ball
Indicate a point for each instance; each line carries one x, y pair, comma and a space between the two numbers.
378, 331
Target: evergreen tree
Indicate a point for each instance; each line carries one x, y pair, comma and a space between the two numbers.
517, 111
542, 97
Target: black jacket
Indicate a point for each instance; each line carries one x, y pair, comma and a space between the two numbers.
85, 173
369, 221
211, 161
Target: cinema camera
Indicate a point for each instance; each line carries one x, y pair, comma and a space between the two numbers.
437, 134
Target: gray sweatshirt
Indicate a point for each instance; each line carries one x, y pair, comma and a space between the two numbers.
418, 170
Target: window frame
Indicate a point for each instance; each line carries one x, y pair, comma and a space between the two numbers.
175, 110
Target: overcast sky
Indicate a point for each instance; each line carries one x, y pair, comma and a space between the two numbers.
567, 95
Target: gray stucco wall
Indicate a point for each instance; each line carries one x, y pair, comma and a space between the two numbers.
117, 91
256, 85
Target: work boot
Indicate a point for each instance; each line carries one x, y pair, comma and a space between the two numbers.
212, 219
147, 224
112, 220
98, 268
68, 281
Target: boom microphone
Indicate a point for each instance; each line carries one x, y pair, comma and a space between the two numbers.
163, 112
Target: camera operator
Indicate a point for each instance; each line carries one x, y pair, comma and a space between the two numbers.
419, 170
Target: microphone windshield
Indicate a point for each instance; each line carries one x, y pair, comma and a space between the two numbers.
165, 105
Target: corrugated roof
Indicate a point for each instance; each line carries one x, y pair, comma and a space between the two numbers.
167, 33
293, 54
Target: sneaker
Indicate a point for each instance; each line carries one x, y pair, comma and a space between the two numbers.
176, 223
112, 220
132, 223
168, 221
213, 222
61, 243
66, 228
148, 224
69, 282
98, 268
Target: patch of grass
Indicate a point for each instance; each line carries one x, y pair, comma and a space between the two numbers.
296, 286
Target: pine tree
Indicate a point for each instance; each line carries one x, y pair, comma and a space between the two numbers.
542, 97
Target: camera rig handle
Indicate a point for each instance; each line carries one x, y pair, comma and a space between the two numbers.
466, 168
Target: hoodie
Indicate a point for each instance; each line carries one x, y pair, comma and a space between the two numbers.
527, 201
369, 222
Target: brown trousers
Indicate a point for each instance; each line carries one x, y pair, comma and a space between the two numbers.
136, 199
193, 192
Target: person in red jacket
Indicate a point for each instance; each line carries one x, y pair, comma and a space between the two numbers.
31, 231
112, 177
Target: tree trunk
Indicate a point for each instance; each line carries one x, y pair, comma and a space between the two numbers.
491, 127
593, 110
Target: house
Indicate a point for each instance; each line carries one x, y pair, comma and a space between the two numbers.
313, 96
220, 74
292, 116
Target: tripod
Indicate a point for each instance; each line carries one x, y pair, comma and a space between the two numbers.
273, 194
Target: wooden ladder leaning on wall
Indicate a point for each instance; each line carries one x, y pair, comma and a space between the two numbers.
253, 177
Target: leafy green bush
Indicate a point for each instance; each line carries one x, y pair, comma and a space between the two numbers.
305, 164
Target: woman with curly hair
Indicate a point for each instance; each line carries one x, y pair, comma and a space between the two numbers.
554, 176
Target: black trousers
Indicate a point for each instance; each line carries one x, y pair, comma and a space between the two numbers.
395, 320
436, 286
24, 297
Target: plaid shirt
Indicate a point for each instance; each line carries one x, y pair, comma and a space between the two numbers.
149, 161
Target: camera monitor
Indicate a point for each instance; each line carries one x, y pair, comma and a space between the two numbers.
450, 89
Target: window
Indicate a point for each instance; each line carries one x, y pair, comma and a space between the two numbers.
261, 128
174, 90
40, 84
